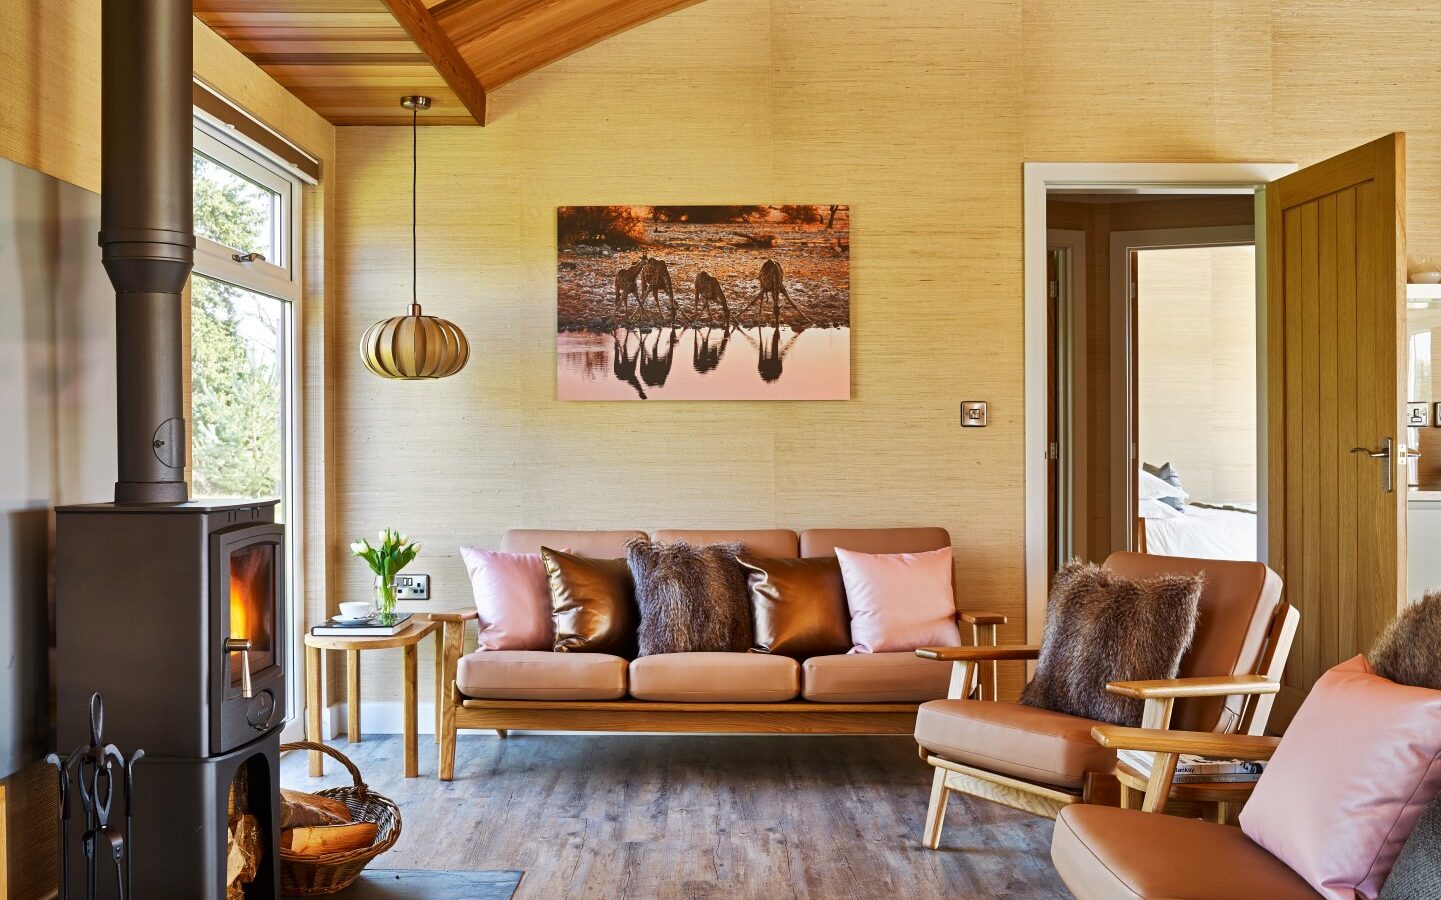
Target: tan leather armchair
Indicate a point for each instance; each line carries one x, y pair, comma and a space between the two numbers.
1101, 852
1042, 761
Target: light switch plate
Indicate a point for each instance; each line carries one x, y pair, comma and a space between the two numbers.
412, 587
973, 413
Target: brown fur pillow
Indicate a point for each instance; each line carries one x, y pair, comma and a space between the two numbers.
691, 599
1103, 627
1409, 650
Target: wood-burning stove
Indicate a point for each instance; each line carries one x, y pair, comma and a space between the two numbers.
151, 601
173, 609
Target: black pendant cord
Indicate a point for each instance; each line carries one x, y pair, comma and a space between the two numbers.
414, 186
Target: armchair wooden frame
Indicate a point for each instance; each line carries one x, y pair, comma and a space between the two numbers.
458, 711
1257, 692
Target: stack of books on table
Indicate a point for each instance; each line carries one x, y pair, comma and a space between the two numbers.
370, 627
1192, 769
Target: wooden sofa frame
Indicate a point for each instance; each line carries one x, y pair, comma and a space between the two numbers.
791, 717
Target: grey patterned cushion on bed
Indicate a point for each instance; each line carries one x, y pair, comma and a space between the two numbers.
1169, 475
1414, 876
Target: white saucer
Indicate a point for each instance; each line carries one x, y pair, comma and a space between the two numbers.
340, 618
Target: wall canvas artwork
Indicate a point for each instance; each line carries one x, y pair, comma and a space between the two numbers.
703, 303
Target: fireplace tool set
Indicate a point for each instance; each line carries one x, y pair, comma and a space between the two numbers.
94, 771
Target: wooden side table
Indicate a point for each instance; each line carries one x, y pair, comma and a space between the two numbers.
1221, 801
409, 641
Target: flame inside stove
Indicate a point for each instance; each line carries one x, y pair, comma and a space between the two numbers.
253, 604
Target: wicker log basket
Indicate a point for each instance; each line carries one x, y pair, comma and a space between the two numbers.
310, 875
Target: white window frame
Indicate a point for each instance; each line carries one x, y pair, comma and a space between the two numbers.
280, 279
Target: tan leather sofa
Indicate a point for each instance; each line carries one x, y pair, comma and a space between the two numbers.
505, 690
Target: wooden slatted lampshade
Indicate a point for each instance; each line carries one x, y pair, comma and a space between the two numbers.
414, 346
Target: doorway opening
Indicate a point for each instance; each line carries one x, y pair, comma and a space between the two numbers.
1124, 264
1152, 375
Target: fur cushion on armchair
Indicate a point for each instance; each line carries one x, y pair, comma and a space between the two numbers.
1103, 627
1409, 650
692, 599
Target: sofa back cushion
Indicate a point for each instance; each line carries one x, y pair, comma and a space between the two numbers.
899, 601
798, 606
824, 541
1352, 774
775, 542
595, 544
1237, 604
512, 596
592, 604
692, 599
1102, 626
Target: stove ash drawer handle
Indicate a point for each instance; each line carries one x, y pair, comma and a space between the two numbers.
242, 646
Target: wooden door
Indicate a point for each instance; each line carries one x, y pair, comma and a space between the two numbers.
1336, 264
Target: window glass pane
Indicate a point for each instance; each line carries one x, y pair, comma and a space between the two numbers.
237, 345
233, 210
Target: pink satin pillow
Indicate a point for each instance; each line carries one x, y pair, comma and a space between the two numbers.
512, 595
1344, 789
899, 601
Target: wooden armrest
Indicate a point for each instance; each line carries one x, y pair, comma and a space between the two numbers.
1202, 743
981, 617
454, 615
1211, 686
980, 654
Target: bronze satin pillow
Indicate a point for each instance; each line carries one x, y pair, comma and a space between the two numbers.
798, 606
592, 603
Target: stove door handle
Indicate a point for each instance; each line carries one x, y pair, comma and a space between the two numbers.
242, 646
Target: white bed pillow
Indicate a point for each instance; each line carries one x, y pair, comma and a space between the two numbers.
1152, 488
1155, 509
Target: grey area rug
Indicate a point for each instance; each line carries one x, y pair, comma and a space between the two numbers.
417, 884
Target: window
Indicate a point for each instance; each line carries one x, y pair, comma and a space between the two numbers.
244, 420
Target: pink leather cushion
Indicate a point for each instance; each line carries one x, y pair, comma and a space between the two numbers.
512, 596
1348, 781
899, 601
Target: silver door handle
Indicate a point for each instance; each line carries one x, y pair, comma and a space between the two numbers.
1388, 478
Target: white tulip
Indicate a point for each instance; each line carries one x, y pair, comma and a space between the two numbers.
357, 547
383, 532
415, 547
404, 540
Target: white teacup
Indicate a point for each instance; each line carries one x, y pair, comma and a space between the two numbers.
357, 609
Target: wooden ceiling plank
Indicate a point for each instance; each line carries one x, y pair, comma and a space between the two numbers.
465, 20
427, 33
555, 31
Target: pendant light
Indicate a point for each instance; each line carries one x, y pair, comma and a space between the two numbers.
414, 346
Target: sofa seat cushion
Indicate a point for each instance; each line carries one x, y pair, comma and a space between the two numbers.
540, 675
1036, 745
715, 678
1103, 853
874, 678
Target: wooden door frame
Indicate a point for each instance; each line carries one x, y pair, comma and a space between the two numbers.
1038, 178
1124, 436
1071, 381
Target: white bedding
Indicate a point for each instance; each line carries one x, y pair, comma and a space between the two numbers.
1205, 533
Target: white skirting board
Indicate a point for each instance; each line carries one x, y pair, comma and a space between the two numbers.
376, 717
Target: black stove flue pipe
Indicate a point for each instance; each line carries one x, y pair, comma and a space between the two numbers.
147, 235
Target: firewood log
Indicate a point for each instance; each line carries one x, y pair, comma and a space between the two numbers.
242, 856
300, 809
319, 839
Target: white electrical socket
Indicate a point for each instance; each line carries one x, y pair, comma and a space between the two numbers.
412, 587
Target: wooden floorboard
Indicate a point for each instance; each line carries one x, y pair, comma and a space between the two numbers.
697, 816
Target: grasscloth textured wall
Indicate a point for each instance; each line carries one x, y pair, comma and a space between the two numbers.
920, 115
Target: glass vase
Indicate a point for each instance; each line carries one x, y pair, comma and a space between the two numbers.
385, 600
